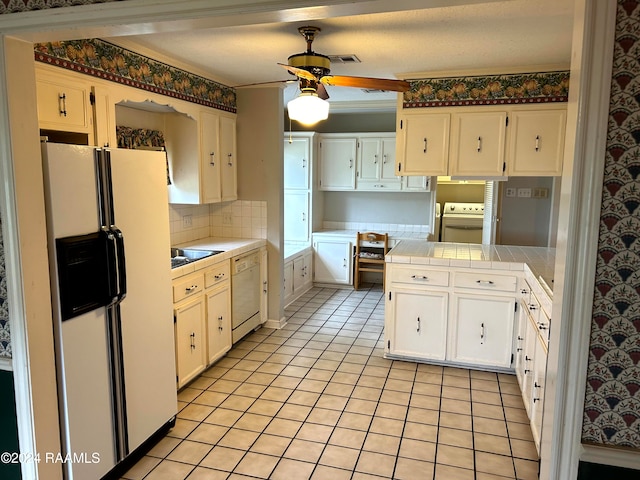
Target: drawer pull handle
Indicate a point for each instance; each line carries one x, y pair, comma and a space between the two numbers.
219, 276
482, 333
191, 288
63, 104
532, 306
425, 146
193, 340
211, 162
420, 277
230, 159
537, 143
375, 159
524, 291
484, 282
542, 326
264, 285
418, 328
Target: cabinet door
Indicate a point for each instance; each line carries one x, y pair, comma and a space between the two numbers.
210, 157
338, 163
388, 165
298, 276
288, 282
63, 104
536, 144
218, 322
519, 344
537, 391
332, 261
264, 275
423, 144
531, 337
190, 339
228, 167
416, 184
308, 270
297, 153
483, 330
370, 159
478, 144
419, 324
296, 216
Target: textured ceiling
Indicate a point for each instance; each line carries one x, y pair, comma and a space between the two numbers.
496, 37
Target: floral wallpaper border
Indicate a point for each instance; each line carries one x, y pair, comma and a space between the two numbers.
539, 87
612, 398
105, 60
5, 334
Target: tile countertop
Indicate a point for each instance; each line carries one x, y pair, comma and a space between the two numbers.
540, 260
393, 235
231, 247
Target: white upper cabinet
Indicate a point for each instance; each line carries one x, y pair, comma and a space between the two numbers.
210, 158
482, 141
478, 144
63, 102
376, 164
337, 163
536, 143
423, 144
297, 164
229, 166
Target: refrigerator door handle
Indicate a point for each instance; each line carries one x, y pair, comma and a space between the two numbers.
112, 270
120, 264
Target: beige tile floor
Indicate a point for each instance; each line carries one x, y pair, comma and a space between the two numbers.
316, 400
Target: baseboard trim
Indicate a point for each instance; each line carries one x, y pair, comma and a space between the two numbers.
276, 324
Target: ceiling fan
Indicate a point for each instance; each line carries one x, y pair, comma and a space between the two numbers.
313, 71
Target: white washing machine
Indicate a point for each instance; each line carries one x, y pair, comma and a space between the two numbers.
462, 222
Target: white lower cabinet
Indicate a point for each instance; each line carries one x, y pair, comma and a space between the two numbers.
191, 339
298, 275
202, 317
332, 260
482, 330
218, 321
537, 390
420, 326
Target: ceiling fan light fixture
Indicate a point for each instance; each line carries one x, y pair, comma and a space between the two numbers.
308, 108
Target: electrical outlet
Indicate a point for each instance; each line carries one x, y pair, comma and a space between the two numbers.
524, 192
187, 221
226, 219
540, 192
510, 192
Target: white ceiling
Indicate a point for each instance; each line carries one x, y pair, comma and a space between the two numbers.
497, 37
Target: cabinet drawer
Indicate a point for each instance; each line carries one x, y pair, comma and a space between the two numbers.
486, 281
187, 287
419, 276
216, 274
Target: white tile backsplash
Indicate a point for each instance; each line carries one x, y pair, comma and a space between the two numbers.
238, 219
375, 227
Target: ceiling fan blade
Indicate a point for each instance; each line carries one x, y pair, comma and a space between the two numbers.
366, 82
299, 72
274, 82
322, 92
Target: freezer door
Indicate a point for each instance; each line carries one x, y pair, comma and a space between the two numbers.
139, 186
82, 355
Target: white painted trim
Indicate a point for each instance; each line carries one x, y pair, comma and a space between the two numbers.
6, 364
15, 292
578, 230
276, 324
611, 456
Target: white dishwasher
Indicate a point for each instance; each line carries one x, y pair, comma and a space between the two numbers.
245, 295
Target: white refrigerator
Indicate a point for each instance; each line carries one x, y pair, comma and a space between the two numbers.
108, 238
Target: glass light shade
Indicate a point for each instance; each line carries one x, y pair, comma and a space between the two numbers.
308, 108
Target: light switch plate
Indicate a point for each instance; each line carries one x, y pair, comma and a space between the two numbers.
510, 192
524, 192
187, 221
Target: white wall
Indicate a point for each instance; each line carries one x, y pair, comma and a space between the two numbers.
374, 207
